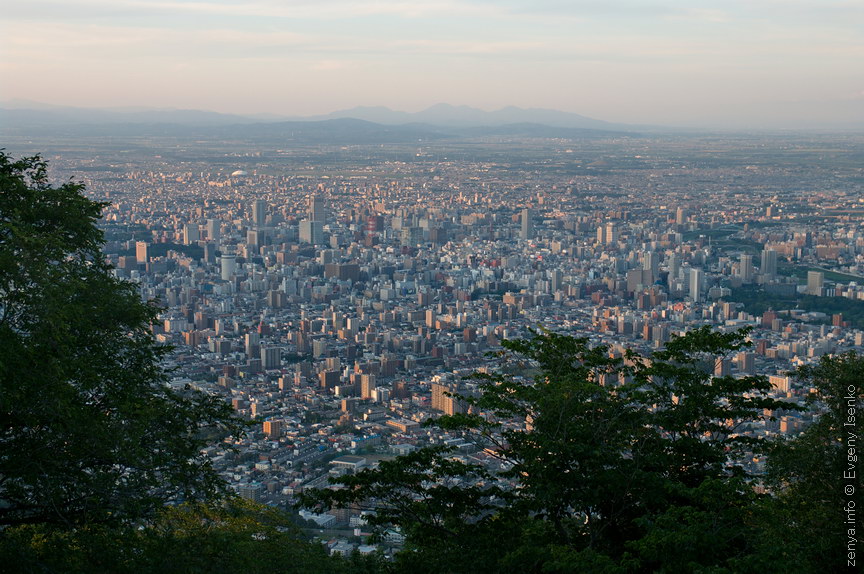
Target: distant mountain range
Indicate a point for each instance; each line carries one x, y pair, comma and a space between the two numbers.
356, 125
19, 113
22, 117
444, 115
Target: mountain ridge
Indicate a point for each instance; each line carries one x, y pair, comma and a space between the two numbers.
448, 115
439, 115
336, 131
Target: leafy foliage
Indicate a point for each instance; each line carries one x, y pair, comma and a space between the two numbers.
608, 464
90, 431
235, 537
804, 525
756, 301
445, 499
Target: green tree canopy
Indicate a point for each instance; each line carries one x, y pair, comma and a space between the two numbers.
606, 464
89, 429
805, 525
235, 536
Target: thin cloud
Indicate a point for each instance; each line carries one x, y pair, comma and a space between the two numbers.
329, 65
296, 9
59, 36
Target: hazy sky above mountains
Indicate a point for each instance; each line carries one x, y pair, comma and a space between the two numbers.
736, 62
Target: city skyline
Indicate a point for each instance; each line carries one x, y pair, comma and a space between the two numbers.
740, 65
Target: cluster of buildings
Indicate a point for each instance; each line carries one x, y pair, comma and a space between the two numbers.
340, 312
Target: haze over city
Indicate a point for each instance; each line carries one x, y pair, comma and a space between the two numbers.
412, 287
738, 64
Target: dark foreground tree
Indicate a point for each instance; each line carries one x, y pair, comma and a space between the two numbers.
234, 537
814, 519
606, 465
89, 430
100, 461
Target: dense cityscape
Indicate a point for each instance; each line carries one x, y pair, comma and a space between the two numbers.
340, 295
389, 287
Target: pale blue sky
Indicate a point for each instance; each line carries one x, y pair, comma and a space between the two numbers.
741, 63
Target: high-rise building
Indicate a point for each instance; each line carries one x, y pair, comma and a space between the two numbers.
251, 491
253, 238
697, 280
611, 233
555, 278
638, 279
745, 268
769, 263
317, 211
411, 236
651, 262
229, 266
815, 282
251, 343
141, 252
342, 271
312, 232
674, 263
367, 384
375, 223
273, 429
271, 357
213, 229
449, 405
191, 234
527, 230
746, 362
209, 252
380, 395
259, 213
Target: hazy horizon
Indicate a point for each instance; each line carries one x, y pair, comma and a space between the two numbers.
743, 64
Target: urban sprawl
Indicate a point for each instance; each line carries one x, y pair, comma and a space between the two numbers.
340, 303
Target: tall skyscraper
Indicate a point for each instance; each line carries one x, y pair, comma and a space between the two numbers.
651, 262
229, 266
312, 232
527, 231
697, 280
745, 268
141, 252
271, 357
213, 229
769, 263
253, 238
259, 213
815, 282
367, 385
191, 234
210, 252
674, 263
317, 210
611, 233
252, 344
555, 278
